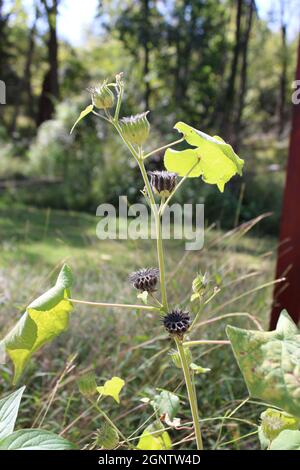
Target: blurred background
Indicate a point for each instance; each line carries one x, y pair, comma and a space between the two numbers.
224, 66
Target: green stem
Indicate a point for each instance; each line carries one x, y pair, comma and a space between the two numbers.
191, 394
104, 304
163, 147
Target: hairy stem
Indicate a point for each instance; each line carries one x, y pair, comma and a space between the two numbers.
191, 394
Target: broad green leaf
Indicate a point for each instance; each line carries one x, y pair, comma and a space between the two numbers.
273, 422
183, 162
45, 318
112, 388
287, 440
166, 403
82, 115
155, 437
270, 363
9, 407
218, 162
34, 439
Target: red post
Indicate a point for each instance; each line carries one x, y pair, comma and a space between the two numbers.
287, 294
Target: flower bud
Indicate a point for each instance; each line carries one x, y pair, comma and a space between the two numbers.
136, 128
162, 182
176, 358
87, 384
102, 96
199, 285
107, 437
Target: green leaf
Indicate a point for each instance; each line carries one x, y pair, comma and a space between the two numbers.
198, 369
287, 440
112, 388
155, 437
44, 319
82, 115
166, 403
218, 162
270, 363
34, 439
9, 407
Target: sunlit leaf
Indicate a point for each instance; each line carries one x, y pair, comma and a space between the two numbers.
270, 363
287, 440
9, 407
82, 115
155, 437
218, 162
44, 319
34, 439
112, 388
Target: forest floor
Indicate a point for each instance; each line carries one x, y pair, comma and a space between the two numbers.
34, 244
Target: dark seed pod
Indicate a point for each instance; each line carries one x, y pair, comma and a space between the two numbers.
177, 322
162, 182
145, 279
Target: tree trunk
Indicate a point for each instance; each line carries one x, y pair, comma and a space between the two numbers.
50, 89
283, 74
244, 70
145, 34
288, 259
229, 99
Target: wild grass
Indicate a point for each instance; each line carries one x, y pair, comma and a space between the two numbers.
132, 345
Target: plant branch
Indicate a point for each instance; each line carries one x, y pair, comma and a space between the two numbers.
104, 304
191, 395
163, 148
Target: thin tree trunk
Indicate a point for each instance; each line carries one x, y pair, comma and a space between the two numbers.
50, 89
229, 99
283, 74
244, 71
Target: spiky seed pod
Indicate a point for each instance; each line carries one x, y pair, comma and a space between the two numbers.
136, 128
87, 384
102, 96
145, 279
162, 182
177, 322
107, 437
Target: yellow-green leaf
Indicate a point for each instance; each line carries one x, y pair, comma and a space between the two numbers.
82, 115
112, 388
155, 437
218, 162
45, 318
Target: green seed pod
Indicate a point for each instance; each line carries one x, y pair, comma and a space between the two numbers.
107, 437
176, 358
87, 384
136, 128
102, 96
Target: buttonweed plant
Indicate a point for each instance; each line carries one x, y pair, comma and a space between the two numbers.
269, 361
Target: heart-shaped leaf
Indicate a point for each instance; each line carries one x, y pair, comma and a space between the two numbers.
9, 407
166, 403
287, 440
270, 363
155, 437
45, 318
112, 388
217, 161
34, 439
